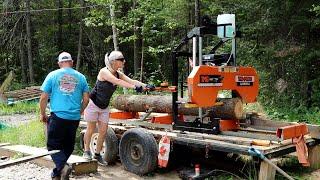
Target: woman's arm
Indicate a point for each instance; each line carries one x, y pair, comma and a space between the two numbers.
131, 81
106, 75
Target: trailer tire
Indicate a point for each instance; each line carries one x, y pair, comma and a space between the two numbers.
81, 139
138, 151
110, 146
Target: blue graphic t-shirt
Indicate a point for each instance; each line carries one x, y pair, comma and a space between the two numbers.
65, 87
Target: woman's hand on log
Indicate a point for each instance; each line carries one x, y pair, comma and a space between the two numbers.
150, 87
138, 89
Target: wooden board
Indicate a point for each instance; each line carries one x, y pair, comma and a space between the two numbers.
137, 122
26, 159
261, 122
79, 164
28, 93
267, 172
314, 157
4, 144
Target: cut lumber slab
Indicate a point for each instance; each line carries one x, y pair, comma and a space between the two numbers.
79, 164
258, 120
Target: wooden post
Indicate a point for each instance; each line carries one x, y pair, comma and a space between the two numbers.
267, 172
314, 156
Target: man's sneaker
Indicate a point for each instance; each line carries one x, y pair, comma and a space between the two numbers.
87, 155
54, 176
100, 160
65, 172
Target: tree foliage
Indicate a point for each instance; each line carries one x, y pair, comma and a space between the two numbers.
279, 39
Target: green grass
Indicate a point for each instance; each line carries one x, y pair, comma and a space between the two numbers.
311, 115
299, 114
31, 134
19, 108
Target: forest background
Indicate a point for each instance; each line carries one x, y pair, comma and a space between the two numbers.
280, 38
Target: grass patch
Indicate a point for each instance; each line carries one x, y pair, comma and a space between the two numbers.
311, 115
77, 147
31, 134
299, 114
19, 108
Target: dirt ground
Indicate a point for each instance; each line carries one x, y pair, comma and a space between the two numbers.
30, 171
118, 172
315, 175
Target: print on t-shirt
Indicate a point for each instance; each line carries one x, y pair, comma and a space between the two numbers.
68, 83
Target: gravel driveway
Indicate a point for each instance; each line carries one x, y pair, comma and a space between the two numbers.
25, 171
16, 119
30, 171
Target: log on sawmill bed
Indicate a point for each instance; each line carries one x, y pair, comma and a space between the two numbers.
231, 108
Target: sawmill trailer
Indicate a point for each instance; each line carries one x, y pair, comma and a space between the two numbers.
143, 141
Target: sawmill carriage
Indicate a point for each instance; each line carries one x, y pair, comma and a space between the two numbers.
144, 128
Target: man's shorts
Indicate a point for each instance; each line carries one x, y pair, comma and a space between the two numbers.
93, 113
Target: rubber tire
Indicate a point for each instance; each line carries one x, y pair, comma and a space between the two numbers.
81, 139
147, 148
110, 147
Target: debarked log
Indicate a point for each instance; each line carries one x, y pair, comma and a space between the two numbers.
231, 108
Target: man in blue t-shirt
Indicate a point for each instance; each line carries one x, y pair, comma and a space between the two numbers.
67, 90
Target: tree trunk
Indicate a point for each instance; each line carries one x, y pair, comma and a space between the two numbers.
231, 108
137, 42
197, 13
79, 47
190, 14
60, 5
6, 83
114, 28
29, 45
70, 16
22, 59
142, 59
80, 38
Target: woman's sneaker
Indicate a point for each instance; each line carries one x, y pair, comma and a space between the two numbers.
100, 160
87, 155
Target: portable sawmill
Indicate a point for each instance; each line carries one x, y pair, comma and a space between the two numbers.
144, 129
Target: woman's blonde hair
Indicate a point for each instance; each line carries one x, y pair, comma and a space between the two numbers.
110, 58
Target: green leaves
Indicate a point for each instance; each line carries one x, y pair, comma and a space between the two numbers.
316, 9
